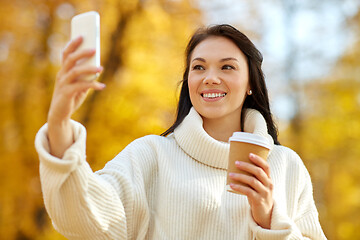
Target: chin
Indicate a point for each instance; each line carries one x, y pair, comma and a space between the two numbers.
211, 113
218, 112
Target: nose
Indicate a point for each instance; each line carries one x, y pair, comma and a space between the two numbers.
211, 78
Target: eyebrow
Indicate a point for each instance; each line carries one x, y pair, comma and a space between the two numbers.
228, 59
222, 60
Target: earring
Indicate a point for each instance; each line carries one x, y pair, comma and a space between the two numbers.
250, 92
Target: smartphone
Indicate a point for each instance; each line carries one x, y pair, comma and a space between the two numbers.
88, 26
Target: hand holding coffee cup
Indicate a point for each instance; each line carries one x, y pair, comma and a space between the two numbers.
249, 174
242, 144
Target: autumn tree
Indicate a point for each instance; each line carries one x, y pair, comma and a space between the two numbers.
330, 141
142, 44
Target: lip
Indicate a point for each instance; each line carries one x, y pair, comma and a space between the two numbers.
213, 99
212, 91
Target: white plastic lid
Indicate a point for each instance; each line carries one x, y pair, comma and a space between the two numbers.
250, 138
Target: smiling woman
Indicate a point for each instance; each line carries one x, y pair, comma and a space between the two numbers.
218, 84
247, 64
173, 187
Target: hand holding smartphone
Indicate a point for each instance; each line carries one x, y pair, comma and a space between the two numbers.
87, 25
74, 79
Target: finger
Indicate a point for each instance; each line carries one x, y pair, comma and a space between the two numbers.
254, 170
73, 57
71, 47
76, 72
259, 161
245, 190
251, 181
83, 86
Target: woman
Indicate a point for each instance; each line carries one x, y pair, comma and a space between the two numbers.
173, 187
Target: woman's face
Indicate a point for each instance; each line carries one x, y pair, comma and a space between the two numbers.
218, 78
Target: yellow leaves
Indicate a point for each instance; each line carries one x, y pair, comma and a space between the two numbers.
345, 186
157, 17
329, 143
347, 196
143, 49
141, 97
346, 230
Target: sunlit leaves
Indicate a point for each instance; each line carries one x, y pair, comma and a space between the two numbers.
146, 40
330, 146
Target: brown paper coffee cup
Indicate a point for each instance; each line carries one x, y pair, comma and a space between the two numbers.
241, 145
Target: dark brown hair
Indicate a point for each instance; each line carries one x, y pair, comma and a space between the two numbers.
259, 99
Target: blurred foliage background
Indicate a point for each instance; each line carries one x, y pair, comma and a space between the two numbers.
142, 47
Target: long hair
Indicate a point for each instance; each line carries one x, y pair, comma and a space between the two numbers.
259, 99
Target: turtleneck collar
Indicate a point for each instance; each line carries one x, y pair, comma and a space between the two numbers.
197, 143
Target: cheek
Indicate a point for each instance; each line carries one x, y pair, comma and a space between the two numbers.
243, 79
240, 85
192, 83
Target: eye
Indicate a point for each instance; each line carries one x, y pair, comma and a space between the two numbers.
198, 67
227, 67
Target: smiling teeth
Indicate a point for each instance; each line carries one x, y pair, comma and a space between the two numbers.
213, 95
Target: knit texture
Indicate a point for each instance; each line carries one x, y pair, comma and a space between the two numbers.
171, 188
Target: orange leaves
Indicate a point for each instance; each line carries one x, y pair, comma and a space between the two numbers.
142, 46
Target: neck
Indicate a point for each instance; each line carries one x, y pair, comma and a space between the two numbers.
223, 128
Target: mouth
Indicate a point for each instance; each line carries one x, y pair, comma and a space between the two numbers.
212, 96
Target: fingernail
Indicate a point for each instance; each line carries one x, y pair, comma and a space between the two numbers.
102, 85
100, 69
237, 163
231, 174
251, 155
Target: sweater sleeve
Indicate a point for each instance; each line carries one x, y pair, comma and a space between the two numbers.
305, 222
80, 203
282, 227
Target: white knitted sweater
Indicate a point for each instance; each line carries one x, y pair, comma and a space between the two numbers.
171, 188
